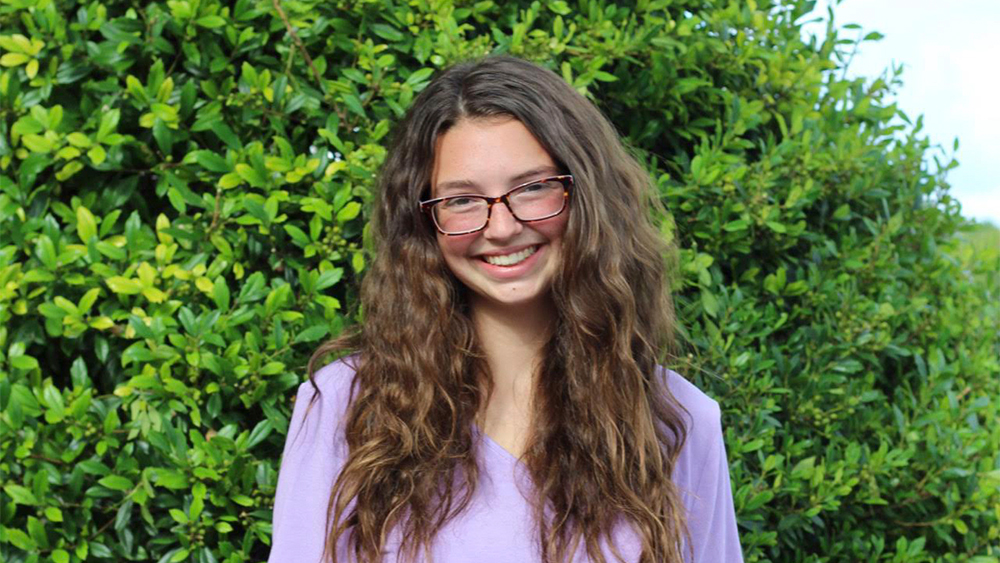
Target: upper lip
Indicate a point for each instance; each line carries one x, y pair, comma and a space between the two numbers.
506, 251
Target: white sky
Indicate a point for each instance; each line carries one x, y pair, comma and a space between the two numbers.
950, 52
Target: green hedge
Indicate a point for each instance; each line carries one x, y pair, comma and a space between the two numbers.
184, 189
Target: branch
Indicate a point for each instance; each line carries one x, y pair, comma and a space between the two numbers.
298, 42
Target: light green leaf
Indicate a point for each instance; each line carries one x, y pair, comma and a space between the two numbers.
54, 514
20, 539
37, 143
210, 22
20, 494
14, 59
86, 224
349, 211
220, 293
250, 174
122, 285
24, 362
116, 483
212, 161
78, 140
97, 154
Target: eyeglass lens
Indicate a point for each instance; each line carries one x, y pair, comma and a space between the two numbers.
532, 202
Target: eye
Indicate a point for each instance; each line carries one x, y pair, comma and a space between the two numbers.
459, 203
540, 188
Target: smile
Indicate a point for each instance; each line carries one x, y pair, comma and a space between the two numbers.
510, 259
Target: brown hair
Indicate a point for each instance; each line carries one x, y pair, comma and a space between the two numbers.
607, 432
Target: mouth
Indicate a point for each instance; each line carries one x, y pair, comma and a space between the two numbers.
511, 259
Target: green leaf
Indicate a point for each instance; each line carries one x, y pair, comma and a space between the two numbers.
53, 514
259, 433
178, 516
387, 32
86, 224
170, 479
250, 175
220, 293
46, 252
37, 143
777, 227
709, 302
230, 180
419, 75
355, 75
24, 362
737, 225
226, 135
297, 235
37, 532
122, 285
329, 278
348, 212
14, 59
19, 539
109, 123
116, 483
354, 104
97, 154
560, 7
256, 209
20, 495
311, 334
210, 22
78, 140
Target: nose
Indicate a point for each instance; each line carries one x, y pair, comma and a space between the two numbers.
502, 224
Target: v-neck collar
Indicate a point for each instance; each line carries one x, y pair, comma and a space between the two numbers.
496, 447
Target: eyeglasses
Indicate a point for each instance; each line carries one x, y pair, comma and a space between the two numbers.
532, 201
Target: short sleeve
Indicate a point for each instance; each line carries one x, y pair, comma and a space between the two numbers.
313, 456
702, 475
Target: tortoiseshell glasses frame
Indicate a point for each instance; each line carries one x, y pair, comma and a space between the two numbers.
432, 206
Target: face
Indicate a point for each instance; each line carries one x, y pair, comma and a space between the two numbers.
489, 157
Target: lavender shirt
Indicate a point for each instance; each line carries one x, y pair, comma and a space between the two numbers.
497, 526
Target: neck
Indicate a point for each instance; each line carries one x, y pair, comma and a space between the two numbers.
513, 338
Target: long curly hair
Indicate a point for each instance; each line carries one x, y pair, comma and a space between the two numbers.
607, 431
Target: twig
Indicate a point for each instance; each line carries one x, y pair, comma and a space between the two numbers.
298, 42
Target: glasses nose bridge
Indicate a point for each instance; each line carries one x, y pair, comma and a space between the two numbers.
504, 199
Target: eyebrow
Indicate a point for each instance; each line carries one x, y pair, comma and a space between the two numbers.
513, 180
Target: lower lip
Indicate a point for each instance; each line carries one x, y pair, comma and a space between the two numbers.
509, 272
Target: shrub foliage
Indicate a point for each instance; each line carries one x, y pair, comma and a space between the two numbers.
182, 215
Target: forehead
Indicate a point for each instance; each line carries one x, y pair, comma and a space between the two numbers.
487, 155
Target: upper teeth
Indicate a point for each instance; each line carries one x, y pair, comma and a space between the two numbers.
511, 259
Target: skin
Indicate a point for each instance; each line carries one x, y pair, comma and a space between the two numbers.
512, 314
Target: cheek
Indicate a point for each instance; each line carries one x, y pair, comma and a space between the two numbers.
452, 247
553, 228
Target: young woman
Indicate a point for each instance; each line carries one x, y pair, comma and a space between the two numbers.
504, 402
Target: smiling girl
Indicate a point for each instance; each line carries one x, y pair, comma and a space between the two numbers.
504, 401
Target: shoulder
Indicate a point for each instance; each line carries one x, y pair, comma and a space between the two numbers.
321, 404
333, 381
702, 410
